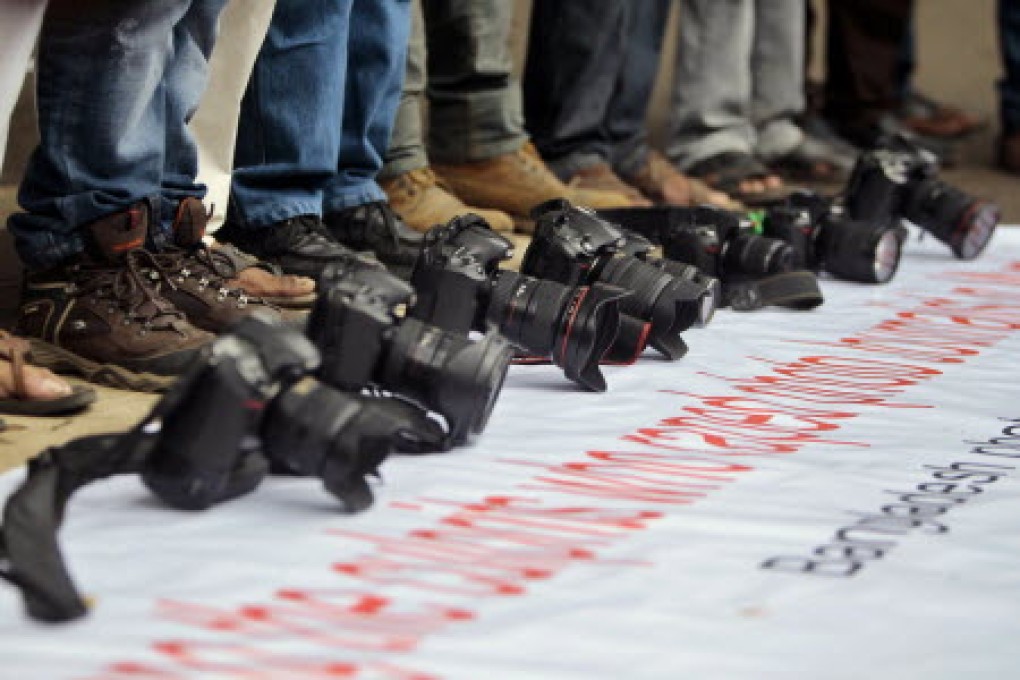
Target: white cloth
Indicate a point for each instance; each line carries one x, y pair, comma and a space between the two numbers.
620, 535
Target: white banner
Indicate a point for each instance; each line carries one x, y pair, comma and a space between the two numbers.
830, 494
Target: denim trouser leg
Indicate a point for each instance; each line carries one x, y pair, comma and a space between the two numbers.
628, 110
475, 110
575, 53
377, 59
19, 27
777, 75
711, 105
1009, 86
186, 78
288, 136
102, 111
407, 143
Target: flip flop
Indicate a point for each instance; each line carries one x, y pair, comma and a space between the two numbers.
15, 352
726, 171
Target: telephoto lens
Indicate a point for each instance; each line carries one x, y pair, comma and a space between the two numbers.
461, 288
315, 430
704, 292
824, 238
577, 247
364, 342
901, 181
203, 433
720, 243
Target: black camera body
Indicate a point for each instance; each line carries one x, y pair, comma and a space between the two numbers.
365, 343
576, 246
461, 288
901, 181
200, 442
824, 238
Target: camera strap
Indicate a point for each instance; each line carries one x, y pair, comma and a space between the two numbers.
796, 290
30, 556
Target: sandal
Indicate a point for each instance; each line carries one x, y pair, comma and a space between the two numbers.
15, 352
815, 162
726, 171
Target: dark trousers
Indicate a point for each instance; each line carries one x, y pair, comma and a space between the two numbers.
864, 52
1009, 86
590, 73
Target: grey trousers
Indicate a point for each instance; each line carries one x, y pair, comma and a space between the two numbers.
460, 58
739, 79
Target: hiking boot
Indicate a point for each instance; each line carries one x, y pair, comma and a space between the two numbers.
660, 181
300, 245
600, 177
518, 181
102, 316
422, 202
376, 228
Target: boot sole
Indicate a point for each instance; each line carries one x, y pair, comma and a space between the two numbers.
60, 360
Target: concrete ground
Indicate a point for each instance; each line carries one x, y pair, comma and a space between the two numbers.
958, 64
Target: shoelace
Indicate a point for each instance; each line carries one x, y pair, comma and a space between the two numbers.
129, 288
213, 271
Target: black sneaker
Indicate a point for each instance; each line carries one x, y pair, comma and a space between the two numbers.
376, 228
300, 245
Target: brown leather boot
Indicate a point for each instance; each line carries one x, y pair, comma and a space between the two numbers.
423, 202
102, 316
518, 181
204, 280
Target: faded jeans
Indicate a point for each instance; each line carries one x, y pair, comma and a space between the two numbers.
739, 79
319, 109
117, 87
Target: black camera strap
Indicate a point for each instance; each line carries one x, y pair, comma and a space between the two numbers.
795, 290
29, 551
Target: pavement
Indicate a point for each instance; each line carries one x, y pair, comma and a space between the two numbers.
958, 64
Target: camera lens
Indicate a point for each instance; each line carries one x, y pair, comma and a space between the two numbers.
573, 326
670, 305
963, 223
316, 430
705, 289
861, 251
447, 372
757, 256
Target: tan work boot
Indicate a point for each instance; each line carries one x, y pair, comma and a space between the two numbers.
600, 177
423, 202
663, 183
518, 181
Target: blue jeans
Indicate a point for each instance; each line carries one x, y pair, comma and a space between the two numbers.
319, 109
1009, 86
117, 87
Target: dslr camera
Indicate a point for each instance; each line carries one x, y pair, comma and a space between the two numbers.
366, 342
900, 181
576, 247
460, 288
754, 270
824, 238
